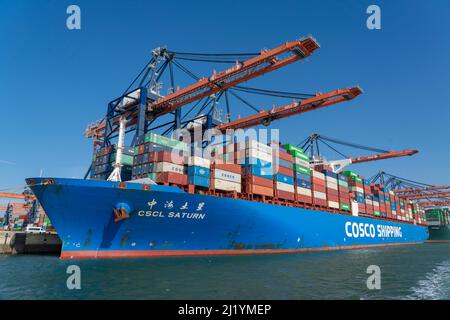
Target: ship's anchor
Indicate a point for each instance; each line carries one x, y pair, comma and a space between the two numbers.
121, 212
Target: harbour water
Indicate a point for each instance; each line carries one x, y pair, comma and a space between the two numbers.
407, 272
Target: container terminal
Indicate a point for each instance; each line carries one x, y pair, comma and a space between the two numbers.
169, 193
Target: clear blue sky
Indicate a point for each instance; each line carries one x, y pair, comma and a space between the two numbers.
53, 81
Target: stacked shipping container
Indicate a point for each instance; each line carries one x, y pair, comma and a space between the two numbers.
105, 158
256, 169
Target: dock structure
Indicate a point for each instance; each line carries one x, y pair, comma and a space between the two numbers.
17, 242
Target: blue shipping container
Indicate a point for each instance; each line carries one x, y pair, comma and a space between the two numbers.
304, 183
198, 181
329, 174
260, 172
302, 176
198, 171
285, 179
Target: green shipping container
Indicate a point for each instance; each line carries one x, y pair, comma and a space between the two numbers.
126, 159
349, 173
300, 155
376, 212
301, 169
345, 206
357, 179
291, 147
165, 141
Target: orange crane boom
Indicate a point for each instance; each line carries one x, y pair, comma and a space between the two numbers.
424, 195
11, 195
266, 61
263, 63
382, 156
420, 189
434, 203
319, 101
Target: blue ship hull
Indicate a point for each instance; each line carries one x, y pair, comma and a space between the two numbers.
165, 221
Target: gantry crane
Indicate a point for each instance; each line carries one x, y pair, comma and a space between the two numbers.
137, 109
311, 144
157, 105
29, 207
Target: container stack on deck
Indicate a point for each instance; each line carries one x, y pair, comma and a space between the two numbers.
257, 164
105, 158
198, 171
268, 173
344, 194
161, 159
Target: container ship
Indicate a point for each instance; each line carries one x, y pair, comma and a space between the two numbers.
438, 224
230, 195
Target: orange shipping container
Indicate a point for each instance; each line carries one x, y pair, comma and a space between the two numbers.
255, 189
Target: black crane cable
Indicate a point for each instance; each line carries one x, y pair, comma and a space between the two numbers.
209, 60
274, 93
177, 53
183, 68
354, 145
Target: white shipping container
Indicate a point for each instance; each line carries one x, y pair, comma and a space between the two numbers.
227, 185
376, 203
331, 180
333, 204
357, 189
317, 174
253, 144
304, 191
199, 162
301, 162
343, 183
368, 201
227, 175
332, 186
285, 187
320, 195
169, 167
253, 153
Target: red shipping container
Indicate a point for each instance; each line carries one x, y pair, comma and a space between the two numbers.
257, 189
320, 202
283, 155
268, 183
171, 177
332, 192
165, 156
303, 198
285, 195
319, 188
286, 171
332, 198
322, 167
356, 184
318, 181
346, 201
344, 195
235, 168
